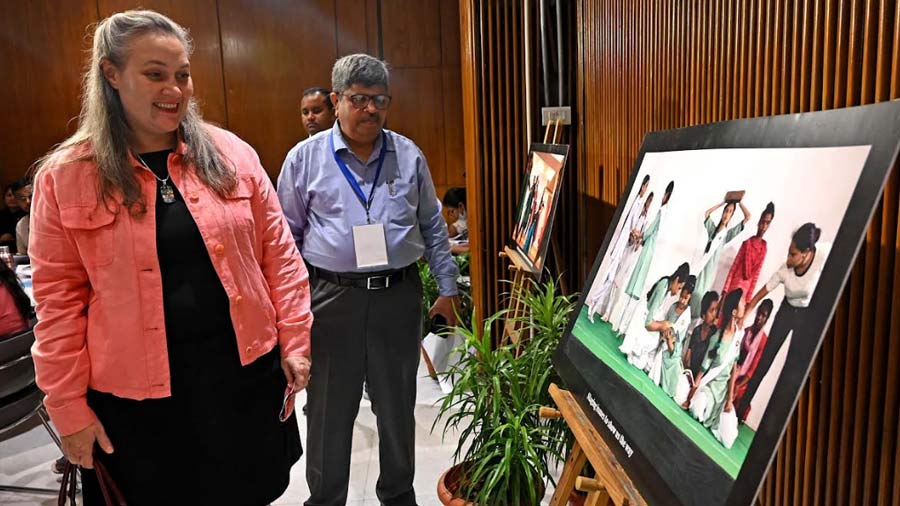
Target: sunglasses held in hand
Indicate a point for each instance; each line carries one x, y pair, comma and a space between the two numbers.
287, 405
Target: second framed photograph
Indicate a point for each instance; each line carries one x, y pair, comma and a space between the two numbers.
537, 203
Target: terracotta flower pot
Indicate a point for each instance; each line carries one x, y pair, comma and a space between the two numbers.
447, 486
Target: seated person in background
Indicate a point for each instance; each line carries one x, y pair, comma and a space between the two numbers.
455, 202
22, 190
9, 216
316, 110
15, 306
457, 229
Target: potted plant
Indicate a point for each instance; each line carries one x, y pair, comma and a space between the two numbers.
505, 449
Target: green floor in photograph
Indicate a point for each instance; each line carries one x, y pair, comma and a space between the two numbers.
599, 338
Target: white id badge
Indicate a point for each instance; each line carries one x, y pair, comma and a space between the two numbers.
370, 245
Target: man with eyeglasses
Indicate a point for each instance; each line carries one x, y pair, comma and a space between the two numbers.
362, 207
22, 190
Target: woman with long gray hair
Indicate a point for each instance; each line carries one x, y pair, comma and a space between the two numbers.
173, 305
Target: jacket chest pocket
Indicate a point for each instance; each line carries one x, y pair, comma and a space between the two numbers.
238, 206
93, 229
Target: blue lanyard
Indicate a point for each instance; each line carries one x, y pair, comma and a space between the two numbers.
367, 203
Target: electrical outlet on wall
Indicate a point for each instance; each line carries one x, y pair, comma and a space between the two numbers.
549, 114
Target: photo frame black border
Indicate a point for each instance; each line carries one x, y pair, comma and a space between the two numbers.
667, 467
556, 149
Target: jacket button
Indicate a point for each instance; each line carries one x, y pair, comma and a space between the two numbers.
194, 197
219, 249
249, 349
238, 299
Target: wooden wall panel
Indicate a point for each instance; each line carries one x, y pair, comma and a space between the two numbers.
352, 31
417, 112
411, 33
454, 164
421, 44
470, 31
373, 28
199, 16
42, 55
271, 51
450, 43
502, 147
652, 65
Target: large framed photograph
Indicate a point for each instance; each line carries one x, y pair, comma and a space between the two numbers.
709, 298
537, 204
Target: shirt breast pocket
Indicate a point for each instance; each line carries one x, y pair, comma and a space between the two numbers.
403, 202
93, 229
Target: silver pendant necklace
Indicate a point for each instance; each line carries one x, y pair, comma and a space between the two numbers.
165, 191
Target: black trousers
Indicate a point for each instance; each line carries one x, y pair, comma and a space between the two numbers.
357, 335
787, 318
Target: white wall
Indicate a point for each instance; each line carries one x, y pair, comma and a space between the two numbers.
805, 184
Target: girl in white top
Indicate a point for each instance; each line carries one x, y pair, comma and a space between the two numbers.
799, 276
600, 300
627, 260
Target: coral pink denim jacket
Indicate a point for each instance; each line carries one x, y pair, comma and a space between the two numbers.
98, 287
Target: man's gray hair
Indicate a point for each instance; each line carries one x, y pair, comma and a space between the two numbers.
359, 69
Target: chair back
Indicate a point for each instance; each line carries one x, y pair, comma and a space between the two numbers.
13, 346
19, 396
19, 407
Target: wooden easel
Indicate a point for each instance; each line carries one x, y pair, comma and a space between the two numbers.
610, 483
520, 272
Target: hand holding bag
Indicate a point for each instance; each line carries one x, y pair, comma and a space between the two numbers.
112, 496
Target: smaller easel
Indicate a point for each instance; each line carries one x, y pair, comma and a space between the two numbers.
610, 482
512, 325
520, 272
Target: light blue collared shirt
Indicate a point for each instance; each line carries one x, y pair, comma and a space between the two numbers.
322, 209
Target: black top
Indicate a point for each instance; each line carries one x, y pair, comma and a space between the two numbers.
698, 348
196, 307
191, 287
8, 221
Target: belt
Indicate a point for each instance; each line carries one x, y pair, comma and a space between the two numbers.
379, 280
